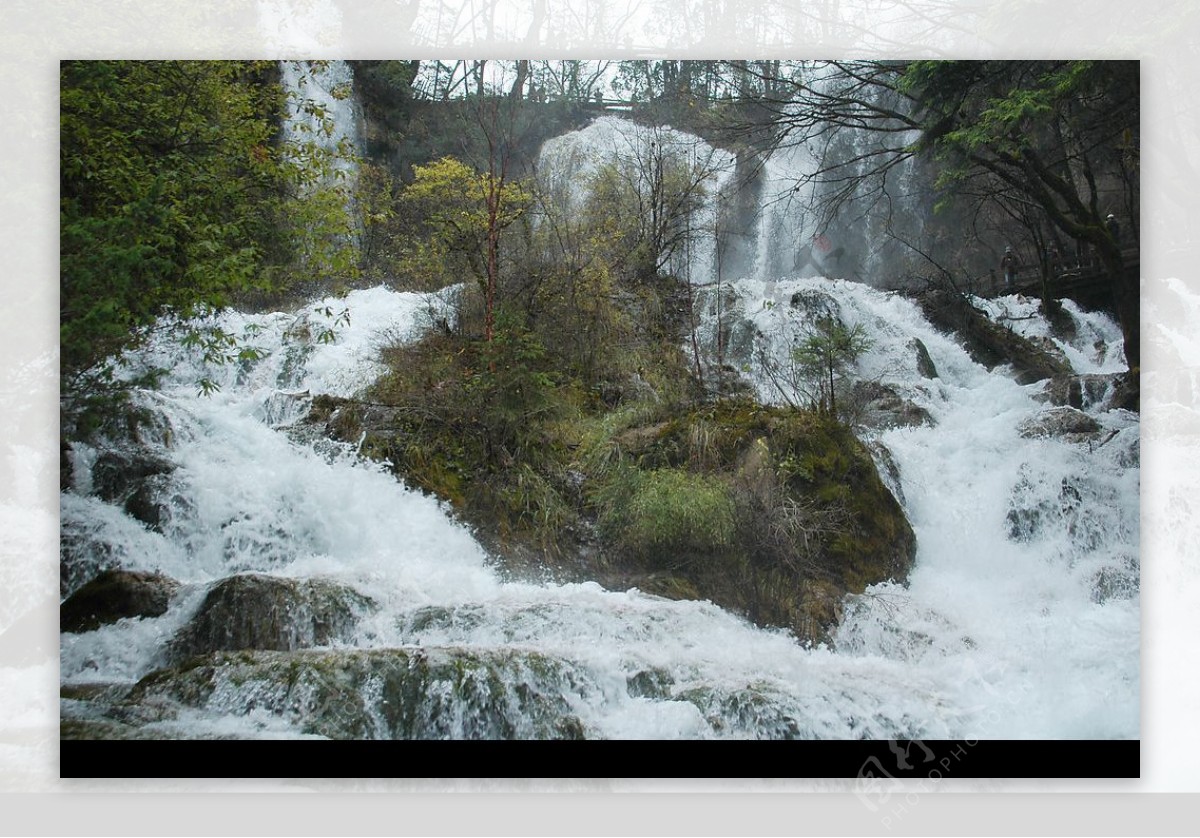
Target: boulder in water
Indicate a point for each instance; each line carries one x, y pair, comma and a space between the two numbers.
1102, 391
256, 611
816, 305
925, 365
878, 406
356, 694
1064, 423
133, 480
989, 343
114, 595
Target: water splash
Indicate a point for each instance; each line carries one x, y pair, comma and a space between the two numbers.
1025, 585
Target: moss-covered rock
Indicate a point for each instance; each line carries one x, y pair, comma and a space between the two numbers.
989, 343
773, 512
776, 513
370, 694
746, 711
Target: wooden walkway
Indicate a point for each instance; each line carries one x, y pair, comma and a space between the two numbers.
1087, 284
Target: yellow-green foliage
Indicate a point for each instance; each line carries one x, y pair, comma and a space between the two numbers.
712, 437
445, 213
807, 501
668, 514
601, 449
480, 424
521, 500
175, 195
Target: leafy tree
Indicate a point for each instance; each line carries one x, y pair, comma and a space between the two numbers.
1062, 135
457, 219
647, 195
827, 353
177, 196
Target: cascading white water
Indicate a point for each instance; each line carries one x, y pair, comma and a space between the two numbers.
1020, 618
243, 497
992, 637
1023, 601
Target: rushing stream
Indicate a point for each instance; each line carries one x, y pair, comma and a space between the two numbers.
1020, 618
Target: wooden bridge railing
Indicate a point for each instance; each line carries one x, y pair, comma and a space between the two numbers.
1087, 281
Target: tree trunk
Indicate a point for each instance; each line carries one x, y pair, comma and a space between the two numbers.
518, 88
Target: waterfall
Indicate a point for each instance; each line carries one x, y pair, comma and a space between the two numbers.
379, 615
759, 217
1024, 594
829, 208
570, 163
323, 128
244, 500
323, 110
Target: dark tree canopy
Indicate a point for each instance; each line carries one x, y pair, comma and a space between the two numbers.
1059, 136
1053, 144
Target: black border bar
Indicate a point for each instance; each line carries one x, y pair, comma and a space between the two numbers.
875, 764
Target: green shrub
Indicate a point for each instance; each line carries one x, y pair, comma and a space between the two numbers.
667, 515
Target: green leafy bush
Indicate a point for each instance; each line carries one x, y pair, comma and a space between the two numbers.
176, 196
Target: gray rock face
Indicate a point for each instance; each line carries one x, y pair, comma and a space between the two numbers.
1064, 423
255, 611
876, 405
116, 594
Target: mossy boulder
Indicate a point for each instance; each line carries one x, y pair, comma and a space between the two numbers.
773, 512
256, 611
445, 693
115, 595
